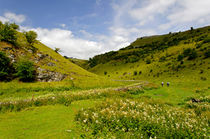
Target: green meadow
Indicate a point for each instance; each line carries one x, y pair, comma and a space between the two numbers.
113, 95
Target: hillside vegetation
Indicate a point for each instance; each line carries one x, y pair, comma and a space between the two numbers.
181, 55
50, 66
45, 95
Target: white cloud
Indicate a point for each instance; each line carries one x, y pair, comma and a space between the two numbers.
149, 9
62, 25
86, 34
189, 12
12, 17
68, 43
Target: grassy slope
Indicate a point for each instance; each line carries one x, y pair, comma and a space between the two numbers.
54, 121
80, 62
77, 77
62, 65
169, 69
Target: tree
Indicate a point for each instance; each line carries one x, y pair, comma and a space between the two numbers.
207, 54
8, 33
57, 50
192, 55
26, 70
191, 28
31, 37
148, 61
187, 52
14, 26
6, 69
180, 57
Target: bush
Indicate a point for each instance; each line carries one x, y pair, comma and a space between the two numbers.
31, 37
192, 55
26, 71
207, 40
6, 69
187, 52
148, 61
180, 57
105, 72
207, 54
8, 33
162, 58
133, 59
135, 73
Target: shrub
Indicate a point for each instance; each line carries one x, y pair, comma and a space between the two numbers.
105, 72
8, 33
133, 59
57, 50
203, 78
148, 61
6, 69
207, 53
207, 40
135, 73
162, 58
31, 37
191, 28
198, 45
136, 92
180, 57
26, 71
192, 55
187, 52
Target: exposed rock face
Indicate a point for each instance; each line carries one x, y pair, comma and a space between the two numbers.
39, 58
49, 76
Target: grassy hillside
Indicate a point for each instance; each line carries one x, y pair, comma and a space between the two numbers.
123, 103
80, 62
174, 56
44, 58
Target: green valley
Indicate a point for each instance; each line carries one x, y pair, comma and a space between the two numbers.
113, 95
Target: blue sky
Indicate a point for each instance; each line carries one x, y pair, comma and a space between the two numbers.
84, 28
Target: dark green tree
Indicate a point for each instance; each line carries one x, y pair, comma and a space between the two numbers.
31, 37
26, 71
8, 33
148, 61
180, 57
6, 68
207, 53
187, 52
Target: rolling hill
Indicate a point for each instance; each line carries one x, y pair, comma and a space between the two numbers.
50, 66
180, 55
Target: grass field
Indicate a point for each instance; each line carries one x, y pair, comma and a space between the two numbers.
121, 98
58, 121
55, 121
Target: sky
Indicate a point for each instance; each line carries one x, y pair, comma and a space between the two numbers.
85, 28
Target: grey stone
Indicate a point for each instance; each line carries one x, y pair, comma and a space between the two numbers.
51, 64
